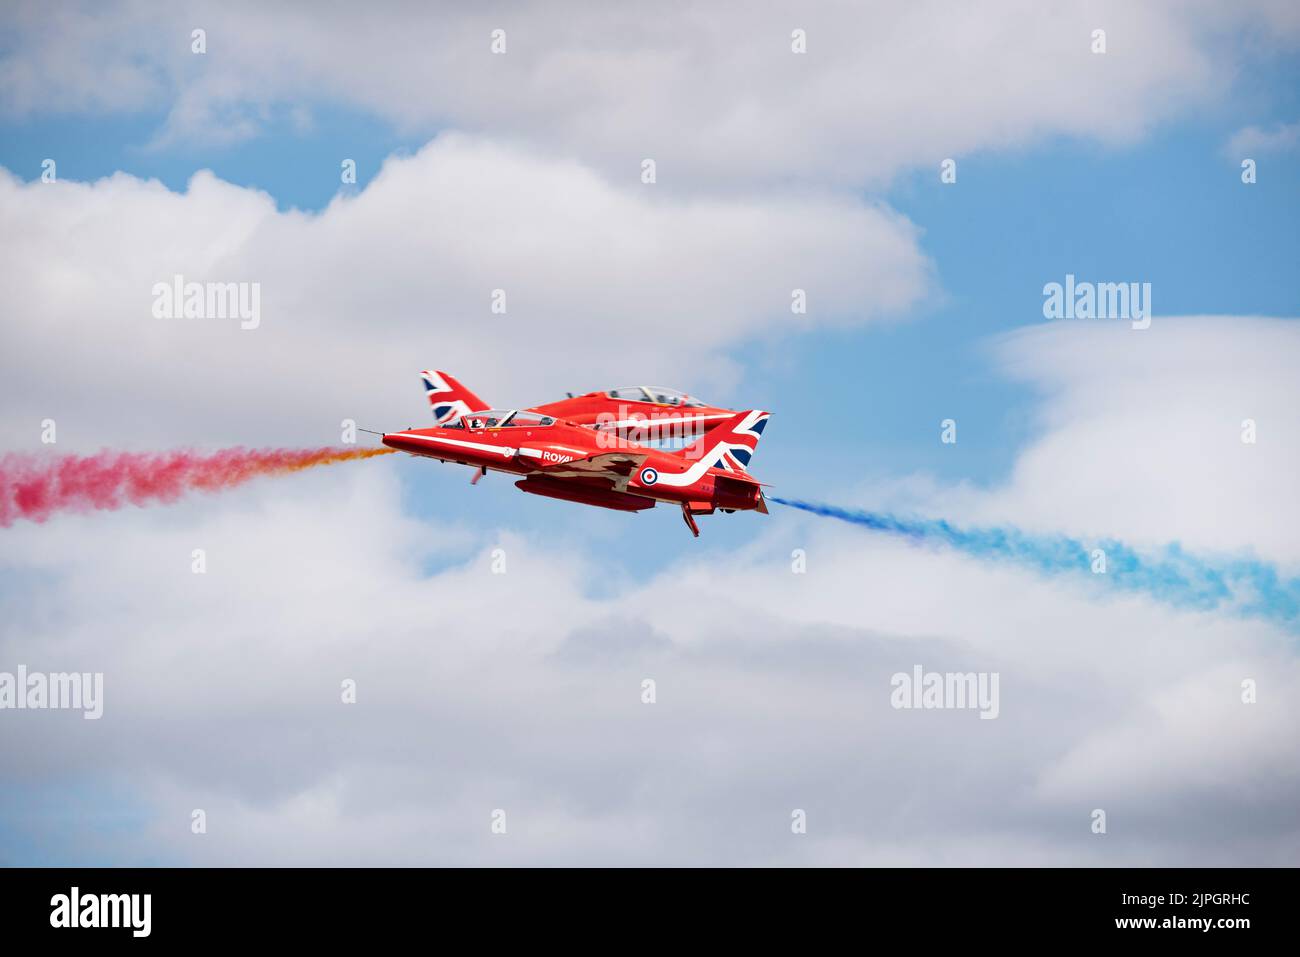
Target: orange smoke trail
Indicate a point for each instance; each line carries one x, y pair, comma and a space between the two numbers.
35, 487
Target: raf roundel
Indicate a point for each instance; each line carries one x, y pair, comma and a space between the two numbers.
649, 476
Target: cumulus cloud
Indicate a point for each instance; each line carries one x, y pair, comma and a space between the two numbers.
1142, 431
602, 284
522, 691
713, 92
1251, 141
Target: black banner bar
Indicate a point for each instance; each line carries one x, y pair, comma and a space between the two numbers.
329, 906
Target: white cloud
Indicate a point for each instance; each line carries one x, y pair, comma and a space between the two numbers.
603, 284
1142, 432
713, 92
521, 691
1252, 141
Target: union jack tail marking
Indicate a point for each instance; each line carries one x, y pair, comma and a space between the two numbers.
448, 398
731, 445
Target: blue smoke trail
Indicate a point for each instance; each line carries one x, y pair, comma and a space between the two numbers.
1244, 586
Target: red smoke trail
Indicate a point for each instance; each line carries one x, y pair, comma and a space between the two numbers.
35, 486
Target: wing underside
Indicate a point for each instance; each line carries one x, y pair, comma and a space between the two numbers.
617, 467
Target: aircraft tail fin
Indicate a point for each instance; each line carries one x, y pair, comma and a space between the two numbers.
448, 399
732, 444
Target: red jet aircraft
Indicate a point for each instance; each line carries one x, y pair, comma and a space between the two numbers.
639, 413
560, 458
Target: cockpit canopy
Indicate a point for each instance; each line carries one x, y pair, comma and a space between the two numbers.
502, 419
656, 394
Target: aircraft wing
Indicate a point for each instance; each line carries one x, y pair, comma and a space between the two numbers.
615, 466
